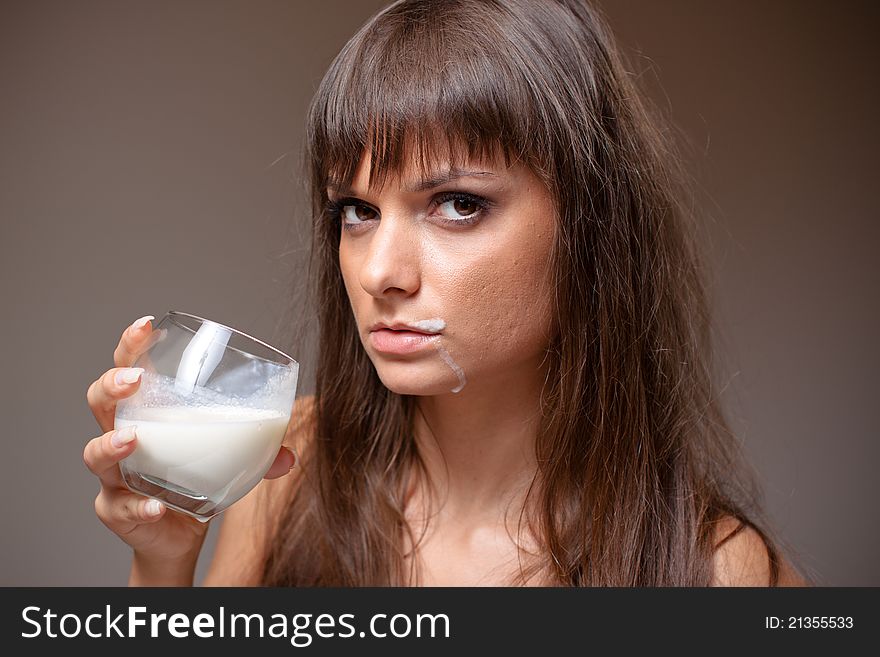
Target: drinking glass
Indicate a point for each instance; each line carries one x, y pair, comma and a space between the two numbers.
211, 413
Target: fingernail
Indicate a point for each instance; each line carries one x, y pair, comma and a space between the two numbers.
128, 375
154, 508
139, 323
124, 436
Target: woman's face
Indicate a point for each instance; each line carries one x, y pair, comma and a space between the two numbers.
461, 260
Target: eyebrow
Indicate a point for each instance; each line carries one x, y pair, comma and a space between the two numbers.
427, 183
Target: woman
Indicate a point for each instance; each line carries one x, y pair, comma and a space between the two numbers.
514, 384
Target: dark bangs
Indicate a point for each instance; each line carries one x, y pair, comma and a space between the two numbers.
415, 89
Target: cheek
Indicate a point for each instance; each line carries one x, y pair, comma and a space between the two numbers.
348, 269
503, 303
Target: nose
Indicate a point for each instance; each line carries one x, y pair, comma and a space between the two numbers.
391, 266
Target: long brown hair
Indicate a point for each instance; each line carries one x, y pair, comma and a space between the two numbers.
636, 462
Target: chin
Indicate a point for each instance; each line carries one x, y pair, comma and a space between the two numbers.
409, 378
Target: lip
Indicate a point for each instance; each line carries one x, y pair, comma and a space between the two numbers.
399, 338
401, 326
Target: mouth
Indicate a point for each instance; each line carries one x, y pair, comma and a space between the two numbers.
426, 326
399, 338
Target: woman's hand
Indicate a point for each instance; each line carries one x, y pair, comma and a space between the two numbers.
163, 541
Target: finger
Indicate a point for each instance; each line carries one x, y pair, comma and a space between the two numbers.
134, 342
123, 511
115, 384
103, 454
282, 465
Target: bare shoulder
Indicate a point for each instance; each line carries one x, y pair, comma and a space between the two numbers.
247, 525
742, 558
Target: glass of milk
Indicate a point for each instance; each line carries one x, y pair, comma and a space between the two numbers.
211, 412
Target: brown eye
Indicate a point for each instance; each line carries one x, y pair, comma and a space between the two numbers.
460, 207
464, 207
358, 213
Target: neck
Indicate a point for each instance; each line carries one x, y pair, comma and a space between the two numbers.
478, 444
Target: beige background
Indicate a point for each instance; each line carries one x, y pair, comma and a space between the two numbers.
148, 155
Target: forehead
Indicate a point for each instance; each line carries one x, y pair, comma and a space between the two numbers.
417, 155
416, 173
414, 179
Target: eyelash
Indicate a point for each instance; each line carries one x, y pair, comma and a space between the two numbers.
334, 208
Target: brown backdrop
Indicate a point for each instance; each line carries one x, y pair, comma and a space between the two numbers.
147, 162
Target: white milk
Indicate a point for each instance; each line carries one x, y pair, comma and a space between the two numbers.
219, 452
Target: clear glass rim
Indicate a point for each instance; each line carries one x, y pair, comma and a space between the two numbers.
180, 313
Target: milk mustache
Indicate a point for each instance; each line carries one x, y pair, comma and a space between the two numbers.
209, 456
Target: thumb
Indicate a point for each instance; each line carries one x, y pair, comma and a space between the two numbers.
282, 465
